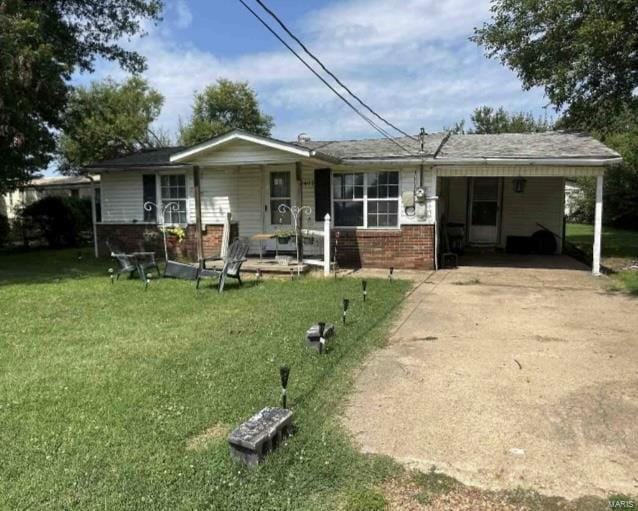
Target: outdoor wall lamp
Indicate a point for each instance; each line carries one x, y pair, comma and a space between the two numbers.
519, 184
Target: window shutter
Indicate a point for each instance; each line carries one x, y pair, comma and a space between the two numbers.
149, 194
322, 193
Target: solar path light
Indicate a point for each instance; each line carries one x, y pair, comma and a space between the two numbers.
284, 372
364, 287
346, 304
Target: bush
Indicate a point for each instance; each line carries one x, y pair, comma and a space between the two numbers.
620, 199
59, 220
4, 229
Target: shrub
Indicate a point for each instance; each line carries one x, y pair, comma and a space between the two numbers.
59, 220
4, 229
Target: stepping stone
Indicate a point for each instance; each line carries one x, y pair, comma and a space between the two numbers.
251, 441
312, 335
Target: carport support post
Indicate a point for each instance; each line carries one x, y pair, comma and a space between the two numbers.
598, 225
198, 216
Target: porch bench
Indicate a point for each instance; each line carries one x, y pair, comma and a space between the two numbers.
251, 441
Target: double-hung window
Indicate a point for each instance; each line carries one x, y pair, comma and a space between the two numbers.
173, 190
366, 199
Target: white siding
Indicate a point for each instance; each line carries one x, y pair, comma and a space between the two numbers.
122, 197
408, 182
542, 202
240, 152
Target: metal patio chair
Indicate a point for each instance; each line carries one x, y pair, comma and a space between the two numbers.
231, 264
136, 262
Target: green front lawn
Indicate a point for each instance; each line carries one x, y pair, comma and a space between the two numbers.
619, 248
106, 390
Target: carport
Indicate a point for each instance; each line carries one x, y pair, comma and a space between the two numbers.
514, 190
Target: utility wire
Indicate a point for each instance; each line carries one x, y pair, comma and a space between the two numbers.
369, 121
336, 79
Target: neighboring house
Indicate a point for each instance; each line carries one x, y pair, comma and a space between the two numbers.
573, 191
384, 197
63, 186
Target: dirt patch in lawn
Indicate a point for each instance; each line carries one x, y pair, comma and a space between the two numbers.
532, 382
213, 434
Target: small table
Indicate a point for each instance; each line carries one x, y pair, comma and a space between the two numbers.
261, 237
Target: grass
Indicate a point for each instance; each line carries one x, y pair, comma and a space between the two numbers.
619, 248
615, 242
105, 389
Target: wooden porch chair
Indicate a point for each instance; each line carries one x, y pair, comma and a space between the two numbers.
231, 264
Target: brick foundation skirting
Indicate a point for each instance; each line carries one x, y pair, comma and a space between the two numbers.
411, 247
147, 237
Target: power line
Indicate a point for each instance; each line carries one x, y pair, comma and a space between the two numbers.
312, 70
336, 79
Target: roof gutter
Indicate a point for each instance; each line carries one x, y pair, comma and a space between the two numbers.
558, 162
120, 168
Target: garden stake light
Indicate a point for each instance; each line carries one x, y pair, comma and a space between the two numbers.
346, 304
112, 275
391, 274
322, 339
284, 372
364, 286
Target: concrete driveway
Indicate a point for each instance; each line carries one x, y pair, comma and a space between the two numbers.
507, 377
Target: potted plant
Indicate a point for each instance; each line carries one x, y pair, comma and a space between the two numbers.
284, 237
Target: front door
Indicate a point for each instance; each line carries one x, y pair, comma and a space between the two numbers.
278, 191
485, 209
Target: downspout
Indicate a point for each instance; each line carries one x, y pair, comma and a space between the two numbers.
435, 206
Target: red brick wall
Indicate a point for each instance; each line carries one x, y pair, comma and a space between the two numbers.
411, 247
137, 237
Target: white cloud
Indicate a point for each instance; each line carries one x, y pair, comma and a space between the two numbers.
409, 59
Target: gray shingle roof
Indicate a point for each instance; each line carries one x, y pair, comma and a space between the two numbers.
525, 145
549, 145
376, 147
62, 181
145, 158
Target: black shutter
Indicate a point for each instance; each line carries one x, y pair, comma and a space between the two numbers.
322, 193
149, 195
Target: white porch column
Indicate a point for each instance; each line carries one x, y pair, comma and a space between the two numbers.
598, 225
94, 219
326, 245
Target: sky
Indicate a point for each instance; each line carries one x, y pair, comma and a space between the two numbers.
410, 60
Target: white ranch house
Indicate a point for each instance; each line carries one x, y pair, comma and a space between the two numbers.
383, 204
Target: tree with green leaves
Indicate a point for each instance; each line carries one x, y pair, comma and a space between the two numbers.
486, 119
583, 53
108, 120
42, 43
222, 107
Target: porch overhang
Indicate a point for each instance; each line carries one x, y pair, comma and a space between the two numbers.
192, 153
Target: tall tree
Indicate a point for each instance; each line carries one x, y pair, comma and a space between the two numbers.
584, 53
486, 119
222, 107
107, 120
42, 42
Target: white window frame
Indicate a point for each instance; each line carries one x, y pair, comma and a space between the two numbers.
365, 200
161, 201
